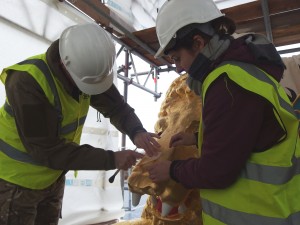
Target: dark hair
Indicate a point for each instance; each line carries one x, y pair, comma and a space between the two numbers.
186, 41
223, 26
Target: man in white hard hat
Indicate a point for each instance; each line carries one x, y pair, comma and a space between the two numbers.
48, 97
248, 171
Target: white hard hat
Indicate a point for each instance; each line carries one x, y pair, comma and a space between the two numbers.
88, 53
175, 14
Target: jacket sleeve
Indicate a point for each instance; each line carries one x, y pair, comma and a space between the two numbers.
37, 123
236, 123
111, 105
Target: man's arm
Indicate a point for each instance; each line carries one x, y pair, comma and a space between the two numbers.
37, 123
112, 105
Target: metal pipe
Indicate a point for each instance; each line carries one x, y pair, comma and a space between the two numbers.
168, 69
129, 48
120, 50
155, 82
133, 67
129, 81
148, 76
121, 69
139, 74
266, 14
125, 95
123, 138
285, 51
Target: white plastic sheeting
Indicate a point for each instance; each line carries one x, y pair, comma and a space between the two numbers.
16, 44
35, 16
90, 198
141, 14
27, 28
291, 78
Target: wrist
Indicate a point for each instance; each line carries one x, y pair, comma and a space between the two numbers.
112, 159
136, 131
172, 170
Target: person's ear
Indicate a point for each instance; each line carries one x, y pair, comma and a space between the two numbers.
199, 43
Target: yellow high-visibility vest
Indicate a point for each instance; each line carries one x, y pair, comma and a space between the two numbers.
268, 189
18, 167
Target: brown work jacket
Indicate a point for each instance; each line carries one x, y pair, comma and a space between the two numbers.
37, 120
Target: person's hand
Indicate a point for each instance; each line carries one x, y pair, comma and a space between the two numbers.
159, 172
146, 141
181, 139
126, 159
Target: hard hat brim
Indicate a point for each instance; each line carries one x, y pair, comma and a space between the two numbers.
88, 54
160, 52
97, 88
226, 21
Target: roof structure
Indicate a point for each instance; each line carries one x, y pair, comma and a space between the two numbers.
279, 20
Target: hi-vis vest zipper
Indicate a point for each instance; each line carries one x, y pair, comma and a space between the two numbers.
18, 167
268, 190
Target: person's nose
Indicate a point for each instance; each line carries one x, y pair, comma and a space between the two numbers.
179, 68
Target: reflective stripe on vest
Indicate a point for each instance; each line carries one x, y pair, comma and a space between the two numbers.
234, 217
25, 157
73, 126
45, 70
260, 75
64, 130
16, 165
263, 173
296, 105
8, 109
271, 174
15, 154
266, 192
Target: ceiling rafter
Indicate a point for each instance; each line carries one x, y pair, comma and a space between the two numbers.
278, 20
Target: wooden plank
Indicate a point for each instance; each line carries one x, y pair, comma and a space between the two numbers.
281, 38
148, 35
244, 12
85, 7
253, 10
285, 27
284, 18
280, 6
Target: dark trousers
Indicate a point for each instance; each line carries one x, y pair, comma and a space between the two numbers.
23, 206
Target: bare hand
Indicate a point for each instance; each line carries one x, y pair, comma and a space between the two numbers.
126, 159
159, 172
181, 139
146, 141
